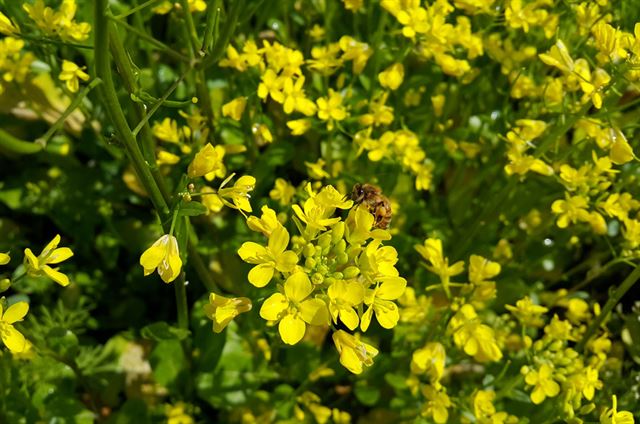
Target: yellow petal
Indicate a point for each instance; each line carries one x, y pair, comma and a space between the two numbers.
56, 275
31, 258
298, 287
279, 240
260, 275
152, 257
59, 255
13, 339
15, 312
386, 313
365, 320
314, 312
291, 329
273, 307
4, 258
252, 253
287, 261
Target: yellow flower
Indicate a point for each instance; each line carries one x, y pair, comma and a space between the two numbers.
269, 259
316, 170
476, 339
429, 360
6, 26
167, 158
294, 309
265, 224
294, 98
234, 108
58, 23
612, 416
238, 194
221, 310
431, 251
621, 151
392, 77
209, 160
354, 354
51, 254
543, 382
527, 312
380, 300
571, 210
72, 73
164, 256
211, 200
12, 338
177, 414
331, 109
282, 191
437, 404
343, 297
356, 51
299, 126
352, 5
271, 85
4, 258
167, 130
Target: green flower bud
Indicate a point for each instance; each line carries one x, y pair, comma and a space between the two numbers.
329, 281
317, 278
5, 283
323, 269
351, 272
309, 250
338, 275
324, 240
337, 232
340, 247
310, 263
342, 258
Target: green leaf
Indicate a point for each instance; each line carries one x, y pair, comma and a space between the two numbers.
366, 394
160, 331
192, 209
168, 362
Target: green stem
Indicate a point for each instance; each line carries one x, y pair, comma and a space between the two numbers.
74, 104
191, 28
136, 9
614, 299
157, 44
181, 301
114, 110
12, 144
201, 268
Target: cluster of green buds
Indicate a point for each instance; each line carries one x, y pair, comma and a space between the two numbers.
336, 273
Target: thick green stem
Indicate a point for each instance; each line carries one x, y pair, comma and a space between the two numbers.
614, 299
114, 110
12, 144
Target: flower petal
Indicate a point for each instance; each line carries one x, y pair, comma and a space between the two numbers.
273, 307
253, 253
15, 312
13, 339
291, 329
314, 312
56, 275
279, 240
260, 275
59, 255
298, 287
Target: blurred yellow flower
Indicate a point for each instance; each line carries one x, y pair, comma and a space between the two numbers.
221, 310
354, 354
72, 74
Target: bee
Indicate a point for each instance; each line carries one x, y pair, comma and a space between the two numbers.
377, 203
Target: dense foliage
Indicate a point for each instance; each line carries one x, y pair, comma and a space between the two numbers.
321, 211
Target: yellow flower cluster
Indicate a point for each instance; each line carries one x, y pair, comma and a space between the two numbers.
335, 272
15, 63
59, 23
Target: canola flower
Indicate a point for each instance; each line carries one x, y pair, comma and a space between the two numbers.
50, 255
163, 256
12, 338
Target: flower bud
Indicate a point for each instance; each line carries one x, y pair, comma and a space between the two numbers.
342, 258
310, 263
351, 272
337, 232
309, 250
317, 278
324, 240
